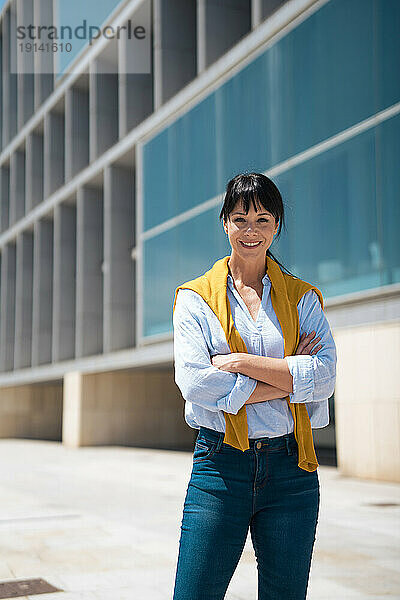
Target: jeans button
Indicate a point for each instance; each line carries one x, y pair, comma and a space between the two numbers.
258, 445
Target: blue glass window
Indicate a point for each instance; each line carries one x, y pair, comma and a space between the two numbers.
175, 256
334, 70
331, 217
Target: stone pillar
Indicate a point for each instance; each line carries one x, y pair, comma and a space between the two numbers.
54, 139
132, 408
89, 276
23, 301
64, 285
135, 93
76, 131
256, 13
367, 401
9, 74
174, 47
34, 170
119, 238
7, 307
220, 25
17, 186
25, 77
103, 114
4, 198
42, 292
43, 61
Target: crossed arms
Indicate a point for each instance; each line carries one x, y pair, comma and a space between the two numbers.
227, 381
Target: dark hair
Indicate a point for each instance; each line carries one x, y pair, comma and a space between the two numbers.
253, 187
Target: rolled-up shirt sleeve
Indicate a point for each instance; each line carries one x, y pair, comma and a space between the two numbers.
198, 380
314, 375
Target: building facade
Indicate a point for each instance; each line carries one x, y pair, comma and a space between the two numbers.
111, 184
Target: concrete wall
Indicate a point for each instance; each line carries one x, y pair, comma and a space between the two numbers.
367, 401
31, 411
140, 408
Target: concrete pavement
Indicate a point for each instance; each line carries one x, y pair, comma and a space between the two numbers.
103, 523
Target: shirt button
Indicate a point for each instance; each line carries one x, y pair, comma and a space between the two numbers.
258, 445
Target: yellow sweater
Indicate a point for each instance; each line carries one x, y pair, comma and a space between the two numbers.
286, 291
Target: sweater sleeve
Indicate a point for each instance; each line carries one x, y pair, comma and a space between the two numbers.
314, 375
198, 380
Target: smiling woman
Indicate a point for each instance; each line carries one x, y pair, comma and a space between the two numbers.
252, 215
254, 384
251, 231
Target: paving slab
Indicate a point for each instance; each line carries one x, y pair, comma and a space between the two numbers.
103, 523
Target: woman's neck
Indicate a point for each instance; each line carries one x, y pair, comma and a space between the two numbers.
244, 273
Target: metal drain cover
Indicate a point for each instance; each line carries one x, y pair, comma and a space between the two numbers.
25, 587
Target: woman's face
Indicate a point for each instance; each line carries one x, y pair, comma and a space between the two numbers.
245, 230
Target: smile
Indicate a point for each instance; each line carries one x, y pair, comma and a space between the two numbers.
249, 244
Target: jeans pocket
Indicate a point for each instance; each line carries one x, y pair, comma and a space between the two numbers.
203, 449
294, 456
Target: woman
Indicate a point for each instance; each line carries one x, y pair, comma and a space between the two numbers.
254, 401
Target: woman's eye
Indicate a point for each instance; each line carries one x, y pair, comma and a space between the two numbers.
260, 219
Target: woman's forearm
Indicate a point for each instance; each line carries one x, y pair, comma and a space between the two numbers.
274, 371
263, 392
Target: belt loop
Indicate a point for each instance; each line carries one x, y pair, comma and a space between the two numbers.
288, 448
220, 440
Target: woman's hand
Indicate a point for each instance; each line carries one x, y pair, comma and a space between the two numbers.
306, 344
226, 362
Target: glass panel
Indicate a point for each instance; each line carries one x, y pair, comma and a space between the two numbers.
342, 206
300, 91
242, 122
180, 254
159, 181
160, 274
321, 86
331, 218
339, 235
180, 165
387, 56
388, 192
91, 13
195, 152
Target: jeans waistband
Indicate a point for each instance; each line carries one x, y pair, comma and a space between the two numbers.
287, 440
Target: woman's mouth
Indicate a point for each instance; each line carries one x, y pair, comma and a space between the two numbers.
250, 244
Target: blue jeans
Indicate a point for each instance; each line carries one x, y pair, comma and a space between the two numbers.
230, 490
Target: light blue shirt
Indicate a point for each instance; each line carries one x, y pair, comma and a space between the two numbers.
208, 391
